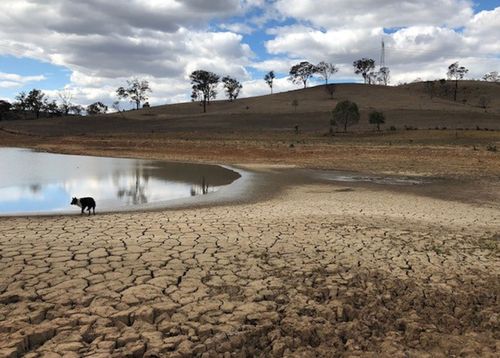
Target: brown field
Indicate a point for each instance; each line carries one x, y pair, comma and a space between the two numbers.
304, 268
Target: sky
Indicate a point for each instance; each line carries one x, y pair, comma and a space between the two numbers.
91, 47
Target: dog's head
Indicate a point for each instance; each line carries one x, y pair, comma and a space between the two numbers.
74, 201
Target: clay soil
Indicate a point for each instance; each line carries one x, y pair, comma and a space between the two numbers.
306, 268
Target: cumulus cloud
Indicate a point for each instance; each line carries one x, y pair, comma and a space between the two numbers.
12, 80
420, 39
380, 13
104, 43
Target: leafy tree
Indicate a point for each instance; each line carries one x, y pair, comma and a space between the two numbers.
232, 87
295, 104
269, 78
35, 102
456, 72
96, 108
377, 118
302, 72
364, 67
345, 114
204, 84
20, 103
492, 77
76, 109
384, 76
136, 91
4, 108
52, 108
326, 70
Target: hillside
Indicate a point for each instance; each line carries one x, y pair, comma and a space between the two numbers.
404, 106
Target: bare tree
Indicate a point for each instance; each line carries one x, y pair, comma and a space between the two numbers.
66, 97
269, 78
384, 76
456, 72
326, 70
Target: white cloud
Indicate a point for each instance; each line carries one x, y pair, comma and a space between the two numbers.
260, 87
381, 13
104, 44
12, 80
423, 47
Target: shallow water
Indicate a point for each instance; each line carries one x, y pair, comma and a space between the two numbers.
38, 182
383, 180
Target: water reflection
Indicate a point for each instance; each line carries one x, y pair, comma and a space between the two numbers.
135, 194
202, 189
40, 182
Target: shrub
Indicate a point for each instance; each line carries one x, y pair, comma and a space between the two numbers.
377, 118
346, 113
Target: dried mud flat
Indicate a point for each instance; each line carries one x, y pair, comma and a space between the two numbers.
320, 270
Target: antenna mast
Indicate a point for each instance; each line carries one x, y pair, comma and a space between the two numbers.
382, 54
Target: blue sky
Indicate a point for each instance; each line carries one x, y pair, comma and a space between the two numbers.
90, 51
56, 77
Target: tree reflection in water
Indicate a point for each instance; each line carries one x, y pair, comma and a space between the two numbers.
136, 193
35, 188
200, 189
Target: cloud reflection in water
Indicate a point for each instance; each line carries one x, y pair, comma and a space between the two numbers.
40, 182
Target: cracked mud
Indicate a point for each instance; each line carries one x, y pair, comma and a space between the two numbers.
319, 271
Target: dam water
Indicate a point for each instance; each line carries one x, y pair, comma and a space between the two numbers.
42, 183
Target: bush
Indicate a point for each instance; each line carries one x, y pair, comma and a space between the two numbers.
345, 114
491, 148
376, 118
392, 128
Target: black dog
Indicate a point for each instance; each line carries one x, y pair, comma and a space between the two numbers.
84, 203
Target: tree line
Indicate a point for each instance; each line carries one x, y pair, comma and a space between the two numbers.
204, 86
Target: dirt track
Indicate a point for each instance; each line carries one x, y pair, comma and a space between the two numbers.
320, 270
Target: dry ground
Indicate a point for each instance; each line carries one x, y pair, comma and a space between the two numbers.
320, 270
